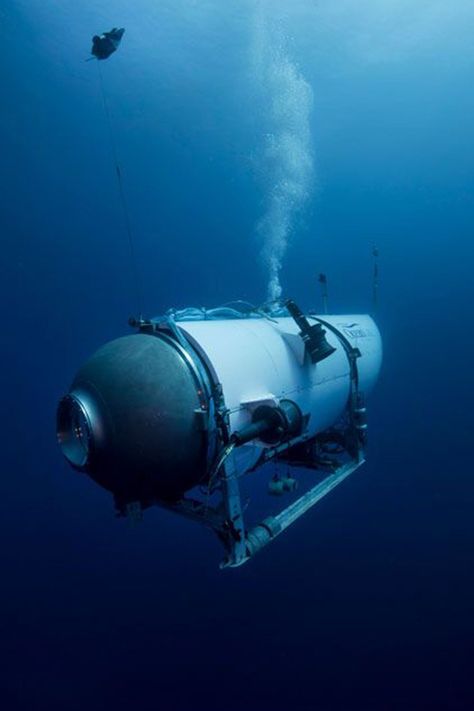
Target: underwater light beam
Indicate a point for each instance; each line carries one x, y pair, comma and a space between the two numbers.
286, 157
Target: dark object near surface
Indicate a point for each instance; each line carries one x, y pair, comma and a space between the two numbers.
107, 43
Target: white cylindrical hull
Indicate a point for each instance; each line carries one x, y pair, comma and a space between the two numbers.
261, 360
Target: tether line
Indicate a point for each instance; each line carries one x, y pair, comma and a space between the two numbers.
123, 200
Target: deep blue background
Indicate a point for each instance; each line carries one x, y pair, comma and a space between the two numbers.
368, 602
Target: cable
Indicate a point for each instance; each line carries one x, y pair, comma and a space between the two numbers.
123, 201
225, 452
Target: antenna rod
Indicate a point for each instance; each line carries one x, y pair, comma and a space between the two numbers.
324, 291
375, 283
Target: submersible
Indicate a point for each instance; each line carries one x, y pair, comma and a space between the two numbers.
178, 412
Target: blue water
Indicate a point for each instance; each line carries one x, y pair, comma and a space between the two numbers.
368, 602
